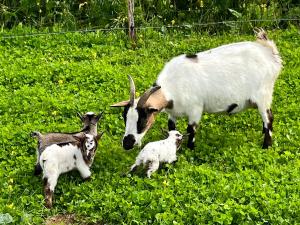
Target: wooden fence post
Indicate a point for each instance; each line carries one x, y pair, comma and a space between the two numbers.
132, 35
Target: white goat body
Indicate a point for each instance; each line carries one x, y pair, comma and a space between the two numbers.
57, 159
159, 151
217, 78
229, 79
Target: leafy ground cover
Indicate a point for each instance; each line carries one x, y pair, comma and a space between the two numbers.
227, 179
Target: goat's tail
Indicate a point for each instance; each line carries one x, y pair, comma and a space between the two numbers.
262, 38
36, 134
261, 34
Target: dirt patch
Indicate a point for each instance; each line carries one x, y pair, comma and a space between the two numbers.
66, 219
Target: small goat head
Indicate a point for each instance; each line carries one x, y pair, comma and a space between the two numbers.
89, 120
88, 144
177, 136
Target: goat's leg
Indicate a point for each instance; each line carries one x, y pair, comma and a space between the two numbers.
191, 130
84, 171
267, 117
194, 119
135, 166
153, 166
37, 169
172, 159
49, 186
171, 123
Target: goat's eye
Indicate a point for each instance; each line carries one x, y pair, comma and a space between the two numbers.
177, 135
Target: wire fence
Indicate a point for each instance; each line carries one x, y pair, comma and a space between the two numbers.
192, 26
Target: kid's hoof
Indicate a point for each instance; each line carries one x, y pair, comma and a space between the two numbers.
48, 203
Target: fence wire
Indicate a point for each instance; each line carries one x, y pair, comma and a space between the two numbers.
181, 26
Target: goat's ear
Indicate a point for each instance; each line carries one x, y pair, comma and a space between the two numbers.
79, 137
152, 110
120, 104
99, 136
80, 116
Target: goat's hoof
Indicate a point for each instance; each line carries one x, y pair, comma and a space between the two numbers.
48, 204
87, 178
267, 144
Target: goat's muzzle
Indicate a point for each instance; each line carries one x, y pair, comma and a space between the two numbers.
128, 142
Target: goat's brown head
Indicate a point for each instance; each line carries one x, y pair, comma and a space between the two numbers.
138, 114
88, 144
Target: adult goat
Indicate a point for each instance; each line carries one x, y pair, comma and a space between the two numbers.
229, 78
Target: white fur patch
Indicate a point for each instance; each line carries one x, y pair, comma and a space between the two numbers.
56, 160
89, 143
131, 125
159, 151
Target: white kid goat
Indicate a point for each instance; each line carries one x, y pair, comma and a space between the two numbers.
158, 152
229, 78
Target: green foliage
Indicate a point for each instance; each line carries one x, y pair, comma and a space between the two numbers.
227, 179
82, 14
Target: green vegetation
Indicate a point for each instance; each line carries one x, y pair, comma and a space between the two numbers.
80, 14
227, 179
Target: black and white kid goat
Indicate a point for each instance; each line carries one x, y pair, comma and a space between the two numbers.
89, 121
61, 158
229, 78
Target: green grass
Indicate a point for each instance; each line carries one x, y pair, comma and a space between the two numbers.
227, 179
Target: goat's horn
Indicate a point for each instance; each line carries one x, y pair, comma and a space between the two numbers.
146, 95
79, 114
132, 90
100, 115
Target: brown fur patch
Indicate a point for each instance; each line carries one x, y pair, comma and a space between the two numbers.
157, 100
48, 194
170, 104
